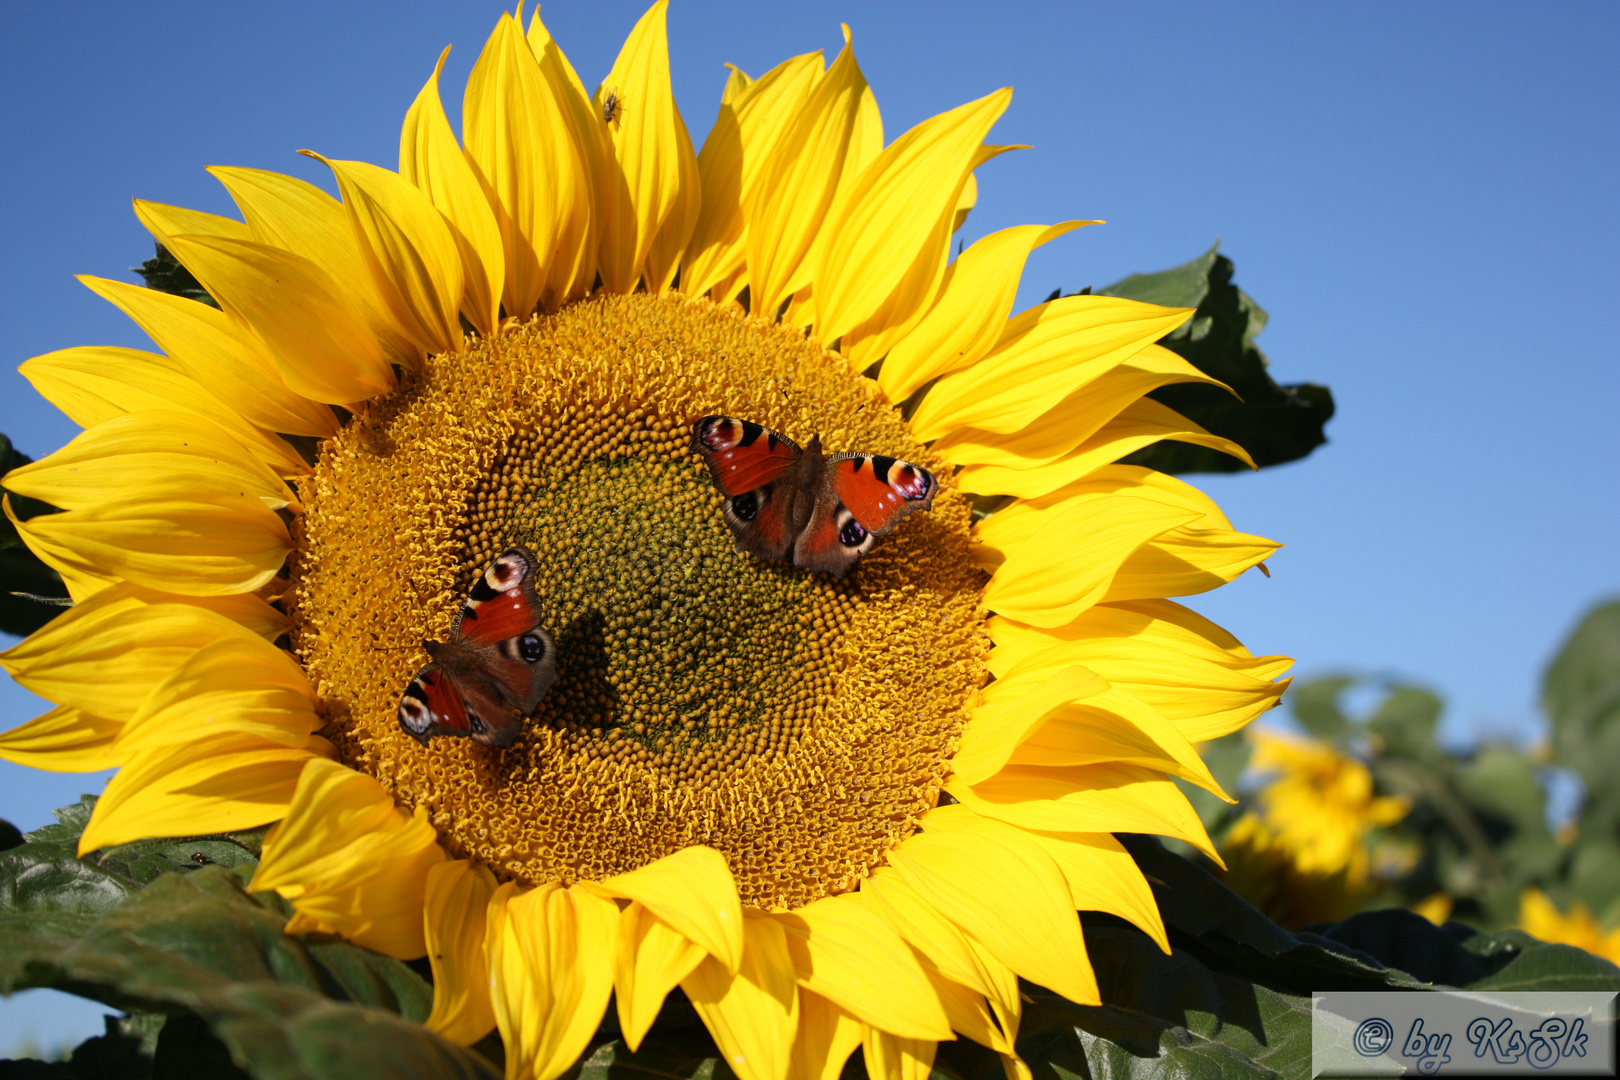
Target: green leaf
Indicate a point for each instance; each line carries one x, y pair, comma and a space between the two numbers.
1275, 424
164, 273
1406, 720
45, 873
1315, 705
1537, 965
1581, 695
31, 593
165, 926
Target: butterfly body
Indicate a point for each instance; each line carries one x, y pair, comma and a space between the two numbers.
820, 511
496, 666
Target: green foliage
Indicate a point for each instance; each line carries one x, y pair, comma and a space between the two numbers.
1275, 424
164, 273
166, 929
1478, 828
216, 990
31, 593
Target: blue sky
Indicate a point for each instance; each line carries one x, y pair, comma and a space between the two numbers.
1422, 195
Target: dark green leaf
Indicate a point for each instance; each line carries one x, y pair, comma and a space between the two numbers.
1503, 782
31, 593
1315, 705
1581, 695
194, 944
692, 1057
1275, 424
1537, 965
124, 1052
164, 273
1406, 720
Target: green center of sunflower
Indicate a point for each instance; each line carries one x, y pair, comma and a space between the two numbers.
798, 724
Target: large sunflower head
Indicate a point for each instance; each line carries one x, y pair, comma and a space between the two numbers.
836, 812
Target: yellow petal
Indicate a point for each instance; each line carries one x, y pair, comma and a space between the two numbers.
890, 1057
228, 544
971, 312
411, 251
591, 140
664, 258
651, 961
1139, 425
1069, 559
894, 320
849, 955
753, 1014
1012, 899
894, 211
655, 159
1114, 726
693, 891
229, 781
299, 218
752, 117
1043, 355
969, 1013
220, 354
64, 740
188, 452
1005, 720
95, 384
1101, 874
320, 343
240, 684
1186, 561
164, 221
430, 158
107, 654
1089, 799
1073, 420
519, 141
799, 179
1202, 688
351, 862
551, 973
939, 943
827, 1036
456, 902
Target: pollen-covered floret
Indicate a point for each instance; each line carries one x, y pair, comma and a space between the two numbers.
796, 723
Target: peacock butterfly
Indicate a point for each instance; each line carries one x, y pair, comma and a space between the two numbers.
825, 511
496, 667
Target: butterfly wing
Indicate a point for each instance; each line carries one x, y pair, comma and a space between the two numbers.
756, 470
496, 667
860, 498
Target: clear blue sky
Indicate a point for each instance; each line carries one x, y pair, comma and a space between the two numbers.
1424, 196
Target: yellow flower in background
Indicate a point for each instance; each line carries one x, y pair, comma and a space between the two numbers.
1540, 918
735, 787
1320, 807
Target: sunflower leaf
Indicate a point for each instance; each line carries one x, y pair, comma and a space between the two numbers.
165, 926
1275, 424
31, 593
1580, 694
164, 273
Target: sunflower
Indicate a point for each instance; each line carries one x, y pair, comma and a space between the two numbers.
834, 812
1540, 918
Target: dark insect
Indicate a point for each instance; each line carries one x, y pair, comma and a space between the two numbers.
496, 667
820, 511
612, 108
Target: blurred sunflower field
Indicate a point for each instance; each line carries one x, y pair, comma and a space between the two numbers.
1370, 809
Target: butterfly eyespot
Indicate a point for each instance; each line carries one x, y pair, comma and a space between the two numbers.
532, 648
746, 506
852, 534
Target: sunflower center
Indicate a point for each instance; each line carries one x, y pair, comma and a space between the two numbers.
797, 723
